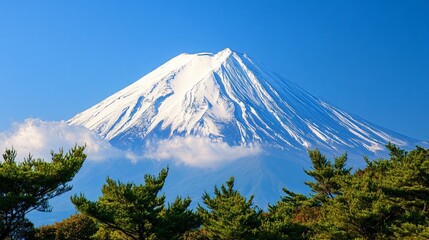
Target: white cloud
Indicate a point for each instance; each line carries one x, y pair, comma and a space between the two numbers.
39, 138
198, 151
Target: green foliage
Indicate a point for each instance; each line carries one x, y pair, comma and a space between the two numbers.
361, 211
198, 234
177, 219
29, 185
289, 218
387, 199
407, 181
127, 210
229, 215
328, 177
409, 231
76, 227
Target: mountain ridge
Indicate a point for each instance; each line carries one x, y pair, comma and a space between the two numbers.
212, 116
229, 97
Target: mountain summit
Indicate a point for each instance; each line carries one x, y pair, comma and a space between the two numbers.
212, 116
228, 97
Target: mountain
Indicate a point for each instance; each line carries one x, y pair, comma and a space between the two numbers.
211, 116
228, 97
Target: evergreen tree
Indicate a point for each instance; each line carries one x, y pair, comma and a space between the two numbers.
29, 185
137, 212
290, 218
406, 183
177, 219
229, 215
362, 211
327, 176
387, 199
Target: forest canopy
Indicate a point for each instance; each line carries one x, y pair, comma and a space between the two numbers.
386, 199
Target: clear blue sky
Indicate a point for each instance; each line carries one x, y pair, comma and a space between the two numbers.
371, 58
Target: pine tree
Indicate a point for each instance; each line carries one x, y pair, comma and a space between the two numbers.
228, 215
29, 186
137, 212
290, 218
362, 211
327, 176
387, 199
406, 183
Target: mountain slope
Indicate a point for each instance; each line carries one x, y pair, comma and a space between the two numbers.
229, 98
219, 115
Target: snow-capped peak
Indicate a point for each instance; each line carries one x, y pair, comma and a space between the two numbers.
228, 97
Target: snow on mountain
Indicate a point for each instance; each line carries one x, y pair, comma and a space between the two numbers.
216, 116
228, 97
